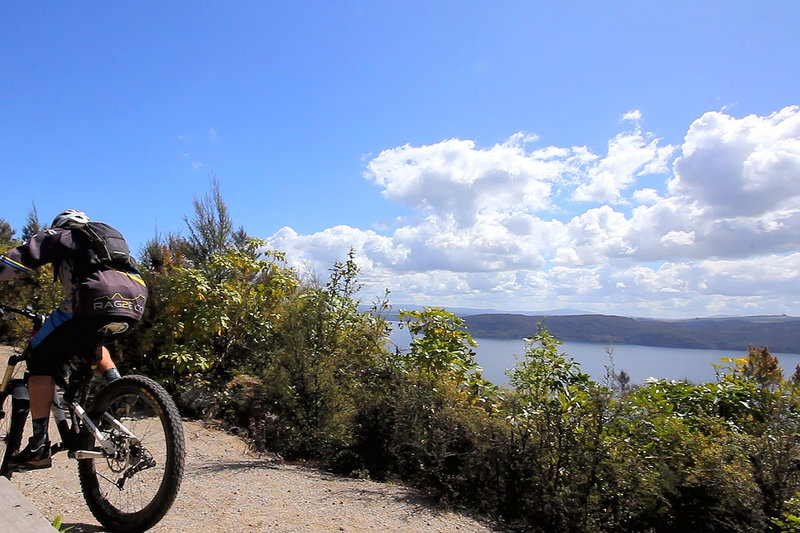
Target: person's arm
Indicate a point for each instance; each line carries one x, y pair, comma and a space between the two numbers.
45, 247
11, 267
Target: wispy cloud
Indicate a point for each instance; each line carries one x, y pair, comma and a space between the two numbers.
195, 142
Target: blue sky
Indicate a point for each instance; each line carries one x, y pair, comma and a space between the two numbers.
632, 157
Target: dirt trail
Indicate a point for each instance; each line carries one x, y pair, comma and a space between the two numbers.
228, 489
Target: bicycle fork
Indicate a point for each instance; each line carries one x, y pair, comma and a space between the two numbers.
20, 407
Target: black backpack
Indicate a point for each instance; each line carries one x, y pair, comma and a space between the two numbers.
107, 246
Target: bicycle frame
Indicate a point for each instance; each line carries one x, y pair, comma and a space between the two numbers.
61, 407
9, 373
129, 481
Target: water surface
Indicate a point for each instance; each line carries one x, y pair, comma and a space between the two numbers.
640, 362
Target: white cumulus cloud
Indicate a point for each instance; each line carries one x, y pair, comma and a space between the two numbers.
741, 167
629, 155
522, 226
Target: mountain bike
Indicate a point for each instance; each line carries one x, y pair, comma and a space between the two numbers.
128, 439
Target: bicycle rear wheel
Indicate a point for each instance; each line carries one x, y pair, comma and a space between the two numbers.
133, 490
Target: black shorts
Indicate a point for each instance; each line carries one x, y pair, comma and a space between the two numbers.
64, 336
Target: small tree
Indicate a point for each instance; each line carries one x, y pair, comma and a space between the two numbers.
32, 226
441, 347
324, 345
210, 323
211, 229
557, 416
6, 235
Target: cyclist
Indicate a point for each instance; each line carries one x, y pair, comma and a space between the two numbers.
105, 294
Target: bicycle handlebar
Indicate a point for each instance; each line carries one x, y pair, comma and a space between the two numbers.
28, 313
37, 318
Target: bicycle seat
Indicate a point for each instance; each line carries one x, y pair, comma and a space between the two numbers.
114, 328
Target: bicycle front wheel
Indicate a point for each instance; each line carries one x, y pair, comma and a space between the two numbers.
13, 415
135, 488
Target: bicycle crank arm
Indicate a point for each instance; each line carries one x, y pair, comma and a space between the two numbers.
86, 454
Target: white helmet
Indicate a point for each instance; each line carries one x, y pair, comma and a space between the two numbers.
68, 218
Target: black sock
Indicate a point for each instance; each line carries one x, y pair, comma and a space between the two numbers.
39, 431
112, 374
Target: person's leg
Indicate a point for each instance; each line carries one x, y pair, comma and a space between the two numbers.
41, 390
62, 336
106, 366
110, 327
36, 454
49, 348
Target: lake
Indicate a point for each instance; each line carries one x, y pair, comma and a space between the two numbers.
639, 362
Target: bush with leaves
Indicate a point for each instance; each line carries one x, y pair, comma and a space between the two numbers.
676, 465
216, 320
771, 418
714, 456
323, 346
423, 415
554, 444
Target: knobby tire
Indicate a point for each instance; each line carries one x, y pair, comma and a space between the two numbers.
145, 408
12, 426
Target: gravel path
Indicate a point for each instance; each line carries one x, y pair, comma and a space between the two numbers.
228, 489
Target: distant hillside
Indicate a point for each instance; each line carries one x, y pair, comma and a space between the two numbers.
466, 311
779, 333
